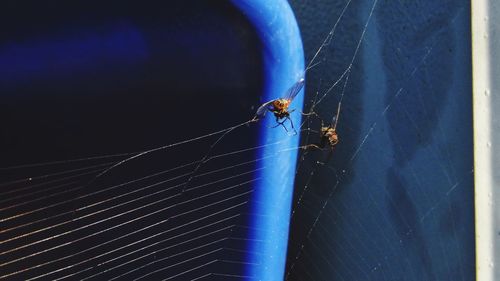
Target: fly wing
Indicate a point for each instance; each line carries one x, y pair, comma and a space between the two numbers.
294, 90
261, 111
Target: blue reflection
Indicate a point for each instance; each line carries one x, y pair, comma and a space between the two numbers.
61, 54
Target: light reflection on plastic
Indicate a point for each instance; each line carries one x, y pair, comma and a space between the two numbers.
284, 61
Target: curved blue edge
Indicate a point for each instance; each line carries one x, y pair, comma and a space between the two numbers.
271, 203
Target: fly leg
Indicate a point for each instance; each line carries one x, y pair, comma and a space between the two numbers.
280, 124
291, 123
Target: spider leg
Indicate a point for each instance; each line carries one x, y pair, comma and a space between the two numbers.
307, 148
310, 130
317, 115
312, 145
310, 114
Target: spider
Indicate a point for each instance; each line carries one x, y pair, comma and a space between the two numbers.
279, 107
328, 135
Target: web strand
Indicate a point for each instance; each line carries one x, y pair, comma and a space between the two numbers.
452, 184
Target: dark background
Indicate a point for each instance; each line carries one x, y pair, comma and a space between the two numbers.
395, 199
73, 73
83, 84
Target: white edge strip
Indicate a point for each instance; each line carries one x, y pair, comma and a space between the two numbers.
485, 197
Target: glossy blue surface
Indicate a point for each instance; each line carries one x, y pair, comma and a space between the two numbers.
284, 64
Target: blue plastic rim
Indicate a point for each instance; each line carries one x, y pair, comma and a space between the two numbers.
124, 57
284, 65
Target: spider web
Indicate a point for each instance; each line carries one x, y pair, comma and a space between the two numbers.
392, 201
385, 204
173, 211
